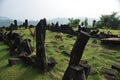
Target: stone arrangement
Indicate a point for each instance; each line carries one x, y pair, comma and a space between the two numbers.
77, 69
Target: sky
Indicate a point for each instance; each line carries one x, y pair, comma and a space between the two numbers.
49, 9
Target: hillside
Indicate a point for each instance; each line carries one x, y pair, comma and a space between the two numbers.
97, 56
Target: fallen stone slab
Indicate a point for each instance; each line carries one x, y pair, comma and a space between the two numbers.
109, 77
108, 71
13, 61
115, 41
115, 66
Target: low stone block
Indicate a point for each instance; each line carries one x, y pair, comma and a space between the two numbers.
51, 62
13, 61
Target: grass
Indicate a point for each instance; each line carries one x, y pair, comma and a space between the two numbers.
97, 56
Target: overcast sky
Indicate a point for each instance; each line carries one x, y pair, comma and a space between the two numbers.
37, 9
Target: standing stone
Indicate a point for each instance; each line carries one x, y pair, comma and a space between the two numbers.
41, 61
26, 23
11, 27
94, 21
15, 23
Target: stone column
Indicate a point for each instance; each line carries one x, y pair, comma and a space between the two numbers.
41, 60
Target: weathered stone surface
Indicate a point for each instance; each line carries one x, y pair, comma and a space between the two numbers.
69, 36
75, 58
112, 41
41, 60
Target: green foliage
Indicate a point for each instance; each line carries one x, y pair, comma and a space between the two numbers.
96, 55
73, 22
113, 21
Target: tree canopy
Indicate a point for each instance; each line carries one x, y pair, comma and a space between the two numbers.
73, 22
109, 21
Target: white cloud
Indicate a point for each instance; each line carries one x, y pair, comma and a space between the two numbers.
36, 9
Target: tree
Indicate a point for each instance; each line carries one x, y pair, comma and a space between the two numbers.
73, 22
86, 22
109, 21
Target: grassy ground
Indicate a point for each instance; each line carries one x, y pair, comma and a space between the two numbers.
97, 56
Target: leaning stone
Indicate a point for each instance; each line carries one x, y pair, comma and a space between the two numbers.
13, 61
108, 71
115, 66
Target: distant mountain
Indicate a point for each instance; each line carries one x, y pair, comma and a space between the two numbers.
4, 21
4, 18
60, 20
65, 20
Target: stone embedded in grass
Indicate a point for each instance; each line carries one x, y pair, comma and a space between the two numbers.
67, 53
61, 47
109, 77
115, 66
51, 62
118, 59
93, 72
13, 61
110, 52
69, 36
108, 71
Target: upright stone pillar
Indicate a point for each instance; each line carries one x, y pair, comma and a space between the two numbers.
26, 23
41, 60
15, 24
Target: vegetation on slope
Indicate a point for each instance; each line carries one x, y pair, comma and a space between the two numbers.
97, 56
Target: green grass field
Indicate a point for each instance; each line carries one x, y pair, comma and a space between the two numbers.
97, 56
